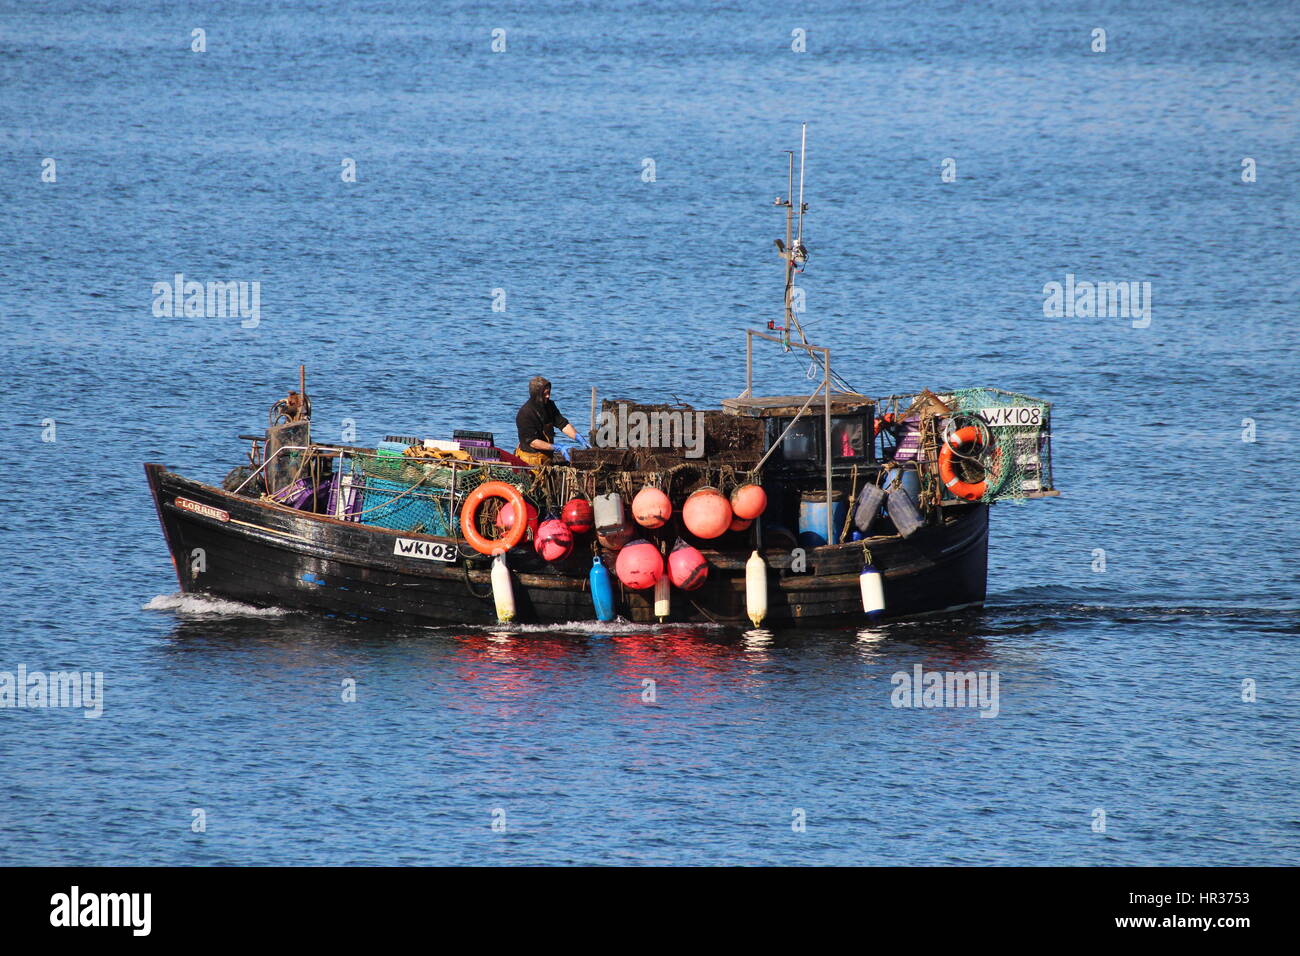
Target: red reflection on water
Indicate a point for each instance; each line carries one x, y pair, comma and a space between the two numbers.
519, 665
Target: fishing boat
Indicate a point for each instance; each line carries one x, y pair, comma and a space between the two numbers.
828, 508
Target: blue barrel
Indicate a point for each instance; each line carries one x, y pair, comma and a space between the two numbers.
812, 517
910, 481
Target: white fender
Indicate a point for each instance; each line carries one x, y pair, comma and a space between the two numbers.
663, 597
873, 590
502, 591
756, 588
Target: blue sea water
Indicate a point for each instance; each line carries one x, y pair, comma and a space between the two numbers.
1124, 619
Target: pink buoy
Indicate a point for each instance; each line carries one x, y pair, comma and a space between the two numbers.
554, 540
687, 568
506, 519
748, 501
651, 508
639, 565
706, 513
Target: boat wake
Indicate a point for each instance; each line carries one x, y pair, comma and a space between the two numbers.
204, 605
1110, 602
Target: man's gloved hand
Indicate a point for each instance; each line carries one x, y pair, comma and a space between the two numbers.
562, 451
582, 441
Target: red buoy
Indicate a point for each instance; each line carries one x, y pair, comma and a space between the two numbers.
577, 514
639, 565
554, 540
740, 524
651, 508
687, 568
706, 513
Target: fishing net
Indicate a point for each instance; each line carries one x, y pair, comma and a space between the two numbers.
1013, 456
405, 494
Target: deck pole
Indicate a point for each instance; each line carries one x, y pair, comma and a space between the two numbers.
826, 384
749, 364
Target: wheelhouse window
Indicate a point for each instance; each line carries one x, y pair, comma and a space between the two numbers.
848, 437
800, 443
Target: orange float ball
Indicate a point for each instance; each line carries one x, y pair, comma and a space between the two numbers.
740, 524
706, 513
748, 501
651, 508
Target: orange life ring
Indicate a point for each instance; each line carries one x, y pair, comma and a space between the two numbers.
469, 517
970, 435
886, 419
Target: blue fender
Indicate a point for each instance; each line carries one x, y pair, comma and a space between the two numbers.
602, 590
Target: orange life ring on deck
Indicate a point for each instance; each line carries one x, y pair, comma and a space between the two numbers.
948, 475
886, 419
469, 517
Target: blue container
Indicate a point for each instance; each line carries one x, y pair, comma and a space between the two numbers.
812, 517
868, 507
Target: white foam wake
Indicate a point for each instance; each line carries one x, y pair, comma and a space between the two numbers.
206, 604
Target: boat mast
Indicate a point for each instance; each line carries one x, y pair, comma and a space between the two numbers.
795, 254
793, 250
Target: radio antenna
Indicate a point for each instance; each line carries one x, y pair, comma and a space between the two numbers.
803, 155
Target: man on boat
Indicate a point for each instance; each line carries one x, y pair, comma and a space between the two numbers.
537, 421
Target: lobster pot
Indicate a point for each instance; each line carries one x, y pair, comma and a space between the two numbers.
1018, 461
902, 510
812, 517
406, 495
403, 507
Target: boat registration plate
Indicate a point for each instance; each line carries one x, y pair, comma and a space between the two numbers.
1019, 416
429, 550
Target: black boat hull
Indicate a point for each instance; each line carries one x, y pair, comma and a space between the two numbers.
269, 555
